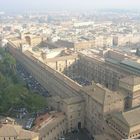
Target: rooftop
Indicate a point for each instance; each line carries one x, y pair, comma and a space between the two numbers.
130, 118
46, 122
131, 64
11, 130
73, 100
101, 94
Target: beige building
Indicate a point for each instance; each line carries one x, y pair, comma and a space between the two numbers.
100, 102
96, 69
125, 125
127, 39
81, 45
31, 39
50, 126
15, 132
103, 41
130, 89
58, 85
114, 91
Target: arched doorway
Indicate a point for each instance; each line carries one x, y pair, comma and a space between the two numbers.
79, 125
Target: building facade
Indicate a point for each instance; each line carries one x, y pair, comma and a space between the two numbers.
112, 92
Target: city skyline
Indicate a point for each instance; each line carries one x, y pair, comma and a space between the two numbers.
69, 70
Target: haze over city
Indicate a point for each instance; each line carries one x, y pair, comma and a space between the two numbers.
69, 69
19, 5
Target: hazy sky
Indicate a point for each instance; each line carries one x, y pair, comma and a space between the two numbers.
67, 4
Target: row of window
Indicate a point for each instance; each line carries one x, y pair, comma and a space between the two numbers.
134, 135
117, 128
9, 138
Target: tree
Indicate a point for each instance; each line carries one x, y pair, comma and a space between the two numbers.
13, 93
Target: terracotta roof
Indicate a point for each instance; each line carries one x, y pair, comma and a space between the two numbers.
41, 119
49, 123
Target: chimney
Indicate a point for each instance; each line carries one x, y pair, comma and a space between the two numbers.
43, 55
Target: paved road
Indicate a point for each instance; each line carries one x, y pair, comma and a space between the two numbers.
31, 82
77, 136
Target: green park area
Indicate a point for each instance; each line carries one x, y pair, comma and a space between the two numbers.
13, 91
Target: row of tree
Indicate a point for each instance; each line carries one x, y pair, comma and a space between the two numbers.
13, 92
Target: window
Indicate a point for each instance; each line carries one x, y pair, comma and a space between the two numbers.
79, 114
